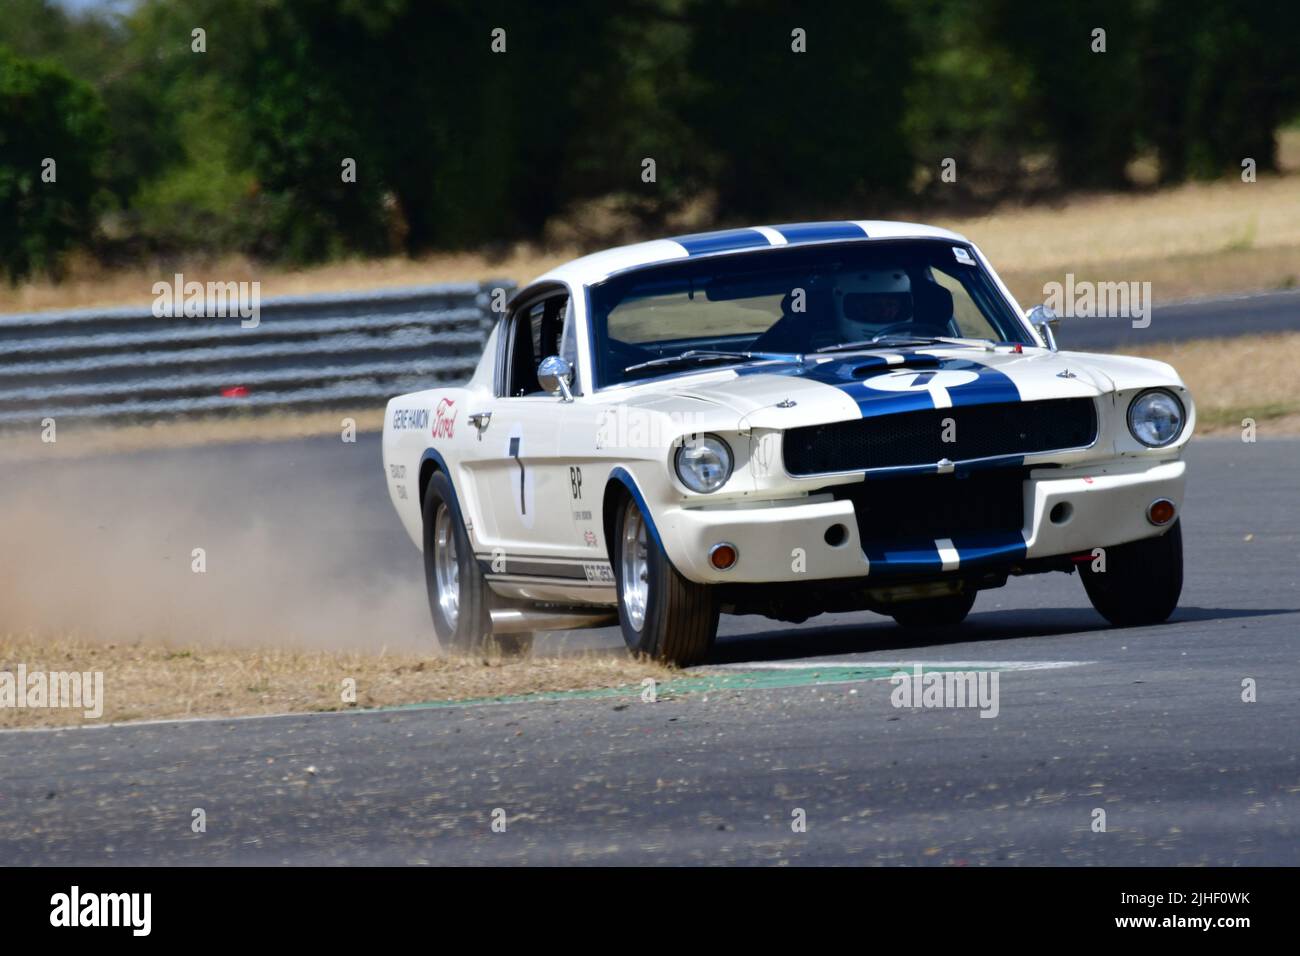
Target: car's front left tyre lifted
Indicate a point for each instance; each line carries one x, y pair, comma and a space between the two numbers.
459, 598
662, 614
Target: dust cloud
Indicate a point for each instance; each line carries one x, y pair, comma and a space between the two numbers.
300, 543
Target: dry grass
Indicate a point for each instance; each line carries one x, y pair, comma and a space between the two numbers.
1194, 219
89, 285
1198, 239
1174, 278
151, 680
1231, 379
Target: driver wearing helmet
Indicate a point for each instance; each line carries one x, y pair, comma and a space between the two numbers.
857, 306
868, 303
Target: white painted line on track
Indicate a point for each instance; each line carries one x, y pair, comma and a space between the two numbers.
902, 665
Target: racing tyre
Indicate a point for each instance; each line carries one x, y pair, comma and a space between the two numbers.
459, 598
1142, 580
933, 613
662, 615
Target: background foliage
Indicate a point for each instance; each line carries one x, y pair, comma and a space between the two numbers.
164, 151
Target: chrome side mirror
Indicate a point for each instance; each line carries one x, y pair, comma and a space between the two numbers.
555, 375
1046, 321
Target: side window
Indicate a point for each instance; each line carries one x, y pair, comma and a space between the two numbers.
534, 334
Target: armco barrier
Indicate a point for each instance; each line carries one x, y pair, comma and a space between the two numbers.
343, 350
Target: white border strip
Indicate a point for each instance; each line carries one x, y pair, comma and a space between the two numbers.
903, 665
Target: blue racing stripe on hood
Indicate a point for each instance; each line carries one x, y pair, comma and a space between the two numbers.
849, 375
989, 386
923, 381
726, 241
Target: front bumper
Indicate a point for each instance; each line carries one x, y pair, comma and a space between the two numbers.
805, 539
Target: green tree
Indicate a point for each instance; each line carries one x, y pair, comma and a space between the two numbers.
1217, 82
780, 132
102, 51
53, 143
970, 100
1085, 100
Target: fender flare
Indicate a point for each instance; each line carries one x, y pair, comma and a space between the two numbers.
621, 476
440, 464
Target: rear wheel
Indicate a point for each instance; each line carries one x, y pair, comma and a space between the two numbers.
933, 613
661, 613
459, 598
1141, 582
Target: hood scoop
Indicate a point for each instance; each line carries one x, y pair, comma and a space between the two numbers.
883, 363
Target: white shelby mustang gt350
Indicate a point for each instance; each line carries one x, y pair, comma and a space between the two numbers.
784, 421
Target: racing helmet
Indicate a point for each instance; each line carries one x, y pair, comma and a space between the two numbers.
866, 302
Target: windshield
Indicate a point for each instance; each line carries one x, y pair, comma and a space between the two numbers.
776, 304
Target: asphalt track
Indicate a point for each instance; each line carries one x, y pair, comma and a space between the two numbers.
1227, 317
1146, 724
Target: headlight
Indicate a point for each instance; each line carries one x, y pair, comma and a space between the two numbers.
1155, 418
703, 463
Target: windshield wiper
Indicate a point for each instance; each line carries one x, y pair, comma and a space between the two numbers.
879, 340
696, 356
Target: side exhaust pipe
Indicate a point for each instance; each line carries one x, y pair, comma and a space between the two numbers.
521, 620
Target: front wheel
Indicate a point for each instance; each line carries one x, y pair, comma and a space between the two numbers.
661, 613
459, 598
1141, 581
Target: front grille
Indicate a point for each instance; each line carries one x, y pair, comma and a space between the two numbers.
916, 438
927, 507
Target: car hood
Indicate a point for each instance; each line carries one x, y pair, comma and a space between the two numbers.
838, 387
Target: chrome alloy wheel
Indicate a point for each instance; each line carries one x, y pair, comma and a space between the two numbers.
634, 567
446, 566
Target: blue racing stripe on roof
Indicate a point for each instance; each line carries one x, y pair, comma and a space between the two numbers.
725, 241
820, 231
